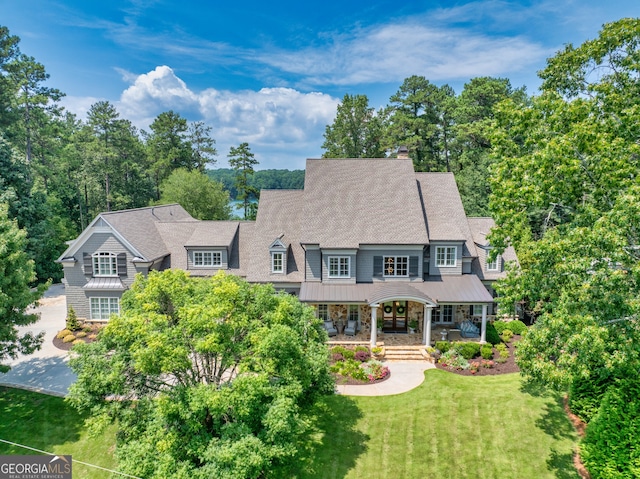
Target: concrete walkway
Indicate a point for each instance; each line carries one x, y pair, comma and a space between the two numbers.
405, 376
45, 370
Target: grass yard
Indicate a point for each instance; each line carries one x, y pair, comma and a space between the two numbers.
49, 424
451, 426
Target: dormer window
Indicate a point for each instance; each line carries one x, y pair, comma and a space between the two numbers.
105, 264
493, 265
446, 256
204, 259
277, 262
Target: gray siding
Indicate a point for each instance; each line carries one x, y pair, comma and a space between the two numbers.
364, 264
352, 269
75, 277
435, 270
313, 265
224, 259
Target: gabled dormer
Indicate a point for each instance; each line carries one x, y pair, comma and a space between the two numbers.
278, 251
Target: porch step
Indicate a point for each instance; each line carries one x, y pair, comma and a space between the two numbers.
406, 353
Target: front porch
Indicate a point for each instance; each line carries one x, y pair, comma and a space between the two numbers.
398, 339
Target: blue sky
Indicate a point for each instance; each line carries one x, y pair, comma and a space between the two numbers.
272, 73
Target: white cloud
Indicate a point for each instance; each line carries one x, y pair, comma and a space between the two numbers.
390, 53
283, 126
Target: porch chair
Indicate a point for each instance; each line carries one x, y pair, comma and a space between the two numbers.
352, 327
330, 328
469, 330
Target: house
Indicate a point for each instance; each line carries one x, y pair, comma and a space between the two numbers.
369, 240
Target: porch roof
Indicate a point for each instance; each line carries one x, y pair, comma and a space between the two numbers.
464, 289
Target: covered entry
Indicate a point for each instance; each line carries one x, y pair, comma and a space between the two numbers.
395, 316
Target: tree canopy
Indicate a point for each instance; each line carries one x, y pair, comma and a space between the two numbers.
566, 194
213, 377
16, 273
202, 197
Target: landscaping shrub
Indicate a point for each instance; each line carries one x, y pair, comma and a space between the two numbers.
81, 334
486, 351
363, 356
72, 320
501, 347
78, 341
443, 346
338, 350
63, 333
492, 335
506, 335
611, 447
500, 326
337, 357
361, 348
453, 359
585, 395
517, 327
467, 350
68, 338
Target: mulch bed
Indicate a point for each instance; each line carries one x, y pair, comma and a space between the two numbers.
345, 380
507, 367
58, 343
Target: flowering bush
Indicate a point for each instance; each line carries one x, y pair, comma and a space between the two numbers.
336, 357
374, 370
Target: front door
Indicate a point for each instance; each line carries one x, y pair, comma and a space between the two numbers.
395, 317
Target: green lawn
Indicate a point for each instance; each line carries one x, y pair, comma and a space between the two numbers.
47, 423
450, 427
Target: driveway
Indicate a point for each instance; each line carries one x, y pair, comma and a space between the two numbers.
45, 370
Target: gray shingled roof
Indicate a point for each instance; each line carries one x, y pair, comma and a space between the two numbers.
446, 219
213, 233
137, 226
480, 228
280, 213
349, 202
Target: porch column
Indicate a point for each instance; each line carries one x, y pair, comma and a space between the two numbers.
374, 324
426, 326
483, 329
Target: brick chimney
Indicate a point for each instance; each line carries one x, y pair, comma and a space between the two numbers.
403, 153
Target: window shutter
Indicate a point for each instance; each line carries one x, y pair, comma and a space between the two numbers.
88, 264
413, 265
377, 265
122, 265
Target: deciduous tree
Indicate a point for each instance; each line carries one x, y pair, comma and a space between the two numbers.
202, 197
16, 275
356, 132
213, 377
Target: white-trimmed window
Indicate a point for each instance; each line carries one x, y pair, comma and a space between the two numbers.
396, 266
103, 308
323, 312
339, 267
277, 262
105, 264
354, 312
477, 310
493, 265
446, 256
204, 259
